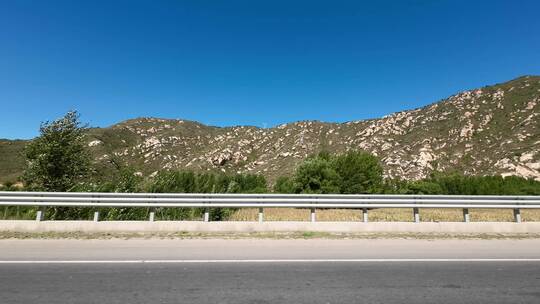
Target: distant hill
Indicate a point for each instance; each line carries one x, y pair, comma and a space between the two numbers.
490, 130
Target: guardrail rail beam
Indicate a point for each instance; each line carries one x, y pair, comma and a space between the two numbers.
310, 202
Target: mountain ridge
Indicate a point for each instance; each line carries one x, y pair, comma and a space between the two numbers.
490, 130
314, 120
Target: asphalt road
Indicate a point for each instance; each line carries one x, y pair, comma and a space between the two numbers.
270, 271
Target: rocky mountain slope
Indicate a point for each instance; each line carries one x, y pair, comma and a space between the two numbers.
492, 130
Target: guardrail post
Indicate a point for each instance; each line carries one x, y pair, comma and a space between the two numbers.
152, 212
416, 213
466, 216
96, 216
152, 215
365, 215
517, 215
313, 215
207, 215
261, 215
40, 214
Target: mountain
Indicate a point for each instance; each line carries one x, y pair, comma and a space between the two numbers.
491, 130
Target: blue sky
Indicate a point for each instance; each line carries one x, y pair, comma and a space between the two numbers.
252, 62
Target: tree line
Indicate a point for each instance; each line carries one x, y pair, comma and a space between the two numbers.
361, 172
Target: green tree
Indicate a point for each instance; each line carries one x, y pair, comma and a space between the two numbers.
352, 172
206, 182
248, 183
174, 182
57, 159
422, 187
454, 183
284, 184
359, 172
317, 175
127, 180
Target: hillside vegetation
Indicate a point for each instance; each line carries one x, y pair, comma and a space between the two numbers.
58, 160
487, 131
351, 172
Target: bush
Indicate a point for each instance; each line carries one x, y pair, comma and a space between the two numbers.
57, 159
190, 182
458, 184
352, 172
317, 175
359, 172
284, 184
173, 182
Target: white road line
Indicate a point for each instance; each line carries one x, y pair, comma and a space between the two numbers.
260, 261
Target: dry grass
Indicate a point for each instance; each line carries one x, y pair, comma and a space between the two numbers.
386, 215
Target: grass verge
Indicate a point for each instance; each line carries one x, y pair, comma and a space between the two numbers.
386, 215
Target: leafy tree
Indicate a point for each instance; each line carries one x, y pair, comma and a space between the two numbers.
458, 184
206, 183
359, 172
422, 187
174, 182
57, 159
317, 175
249, 183
127, 180
190, 182
221, 183
284, 184
352, 172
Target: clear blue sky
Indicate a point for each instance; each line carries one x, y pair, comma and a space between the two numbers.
252, 62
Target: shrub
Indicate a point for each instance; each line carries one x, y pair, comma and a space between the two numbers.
352, 172
359, 172
57, 159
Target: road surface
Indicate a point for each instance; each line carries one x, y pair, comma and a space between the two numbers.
269, 271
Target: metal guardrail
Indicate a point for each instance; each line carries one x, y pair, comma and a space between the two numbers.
261, 201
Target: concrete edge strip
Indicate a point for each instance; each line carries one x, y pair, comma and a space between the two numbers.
266, 261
